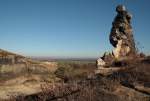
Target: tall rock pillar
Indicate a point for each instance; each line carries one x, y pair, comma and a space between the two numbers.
121, 36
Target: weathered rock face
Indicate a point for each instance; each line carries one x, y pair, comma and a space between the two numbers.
121, 36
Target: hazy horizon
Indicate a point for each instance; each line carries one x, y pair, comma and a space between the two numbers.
67, 28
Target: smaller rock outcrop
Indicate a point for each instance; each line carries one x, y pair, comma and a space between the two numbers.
10, 58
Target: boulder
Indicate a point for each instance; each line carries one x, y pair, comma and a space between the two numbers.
100, 62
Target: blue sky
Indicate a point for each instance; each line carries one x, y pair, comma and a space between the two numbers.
67, 28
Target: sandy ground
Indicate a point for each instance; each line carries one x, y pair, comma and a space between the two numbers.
25, 85
12, 90
20, 85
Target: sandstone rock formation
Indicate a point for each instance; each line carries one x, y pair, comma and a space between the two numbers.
121, 38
